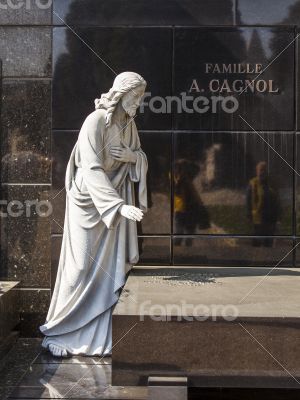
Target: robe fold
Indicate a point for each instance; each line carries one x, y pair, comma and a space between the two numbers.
99, 246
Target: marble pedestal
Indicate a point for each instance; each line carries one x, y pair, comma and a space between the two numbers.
220, 327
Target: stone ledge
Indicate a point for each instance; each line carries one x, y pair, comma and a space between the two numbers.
256, 349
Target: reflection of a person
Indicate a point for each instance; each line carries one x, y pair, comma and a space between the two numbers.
262, 206
189, 211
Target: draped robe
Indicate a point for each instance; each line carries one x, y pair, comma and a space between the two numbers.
99, 246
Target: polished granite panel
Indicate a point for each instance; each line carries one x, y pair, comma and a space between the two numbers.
212, 175
247, 394
143, 12
219, 70
30, 12
232, 251
297, 252
297, 183
26, 124
157, 146
62, 145
55, 253
158, 218
16, 363
26, 51
262, 12
34, 304
9, 306
154, 250
44, 381
25, 239
81, 75
58, 200
297, 89
211, 354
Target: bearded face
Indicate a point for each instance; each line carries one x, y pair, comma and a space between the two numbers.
132, 100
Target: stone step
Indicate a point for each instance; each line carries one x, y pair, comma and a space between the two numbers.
9, 315
219, 326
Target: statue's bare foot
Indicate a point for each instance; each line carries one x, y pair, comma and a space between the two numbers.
57, 351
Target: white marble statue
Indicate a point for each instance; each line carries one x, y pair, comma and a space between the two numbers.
99, 243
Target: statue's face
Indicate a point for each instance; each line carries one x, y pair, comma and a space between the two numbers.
132, 100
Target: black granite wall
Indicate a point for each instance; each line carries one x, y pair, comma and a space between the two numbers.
206, 159
25, 52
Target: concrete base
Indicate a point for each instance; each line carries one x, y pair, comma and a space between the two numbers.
220, 327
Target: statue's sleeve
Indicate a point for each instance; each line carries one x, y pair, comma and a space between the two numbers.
138, 173
105, 197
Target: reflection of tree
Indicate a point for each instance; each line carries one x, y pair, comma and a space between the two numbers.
282, 72
80, 75
141, 12
256, 53
282, 47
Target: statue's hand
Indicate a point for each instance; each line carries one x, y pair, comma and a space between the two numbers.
124, 154
131, 212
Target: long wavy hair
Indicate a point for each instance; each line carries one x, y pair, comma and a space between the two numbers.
123, 83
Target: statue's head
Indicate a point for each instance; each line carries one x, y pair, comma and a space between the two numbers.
129, 88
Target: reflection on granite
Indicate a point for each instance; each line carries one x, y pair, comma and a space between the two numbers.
55, 253
232, 251
297, 251
213, 176
34, 304
75, 86
26, 124
25, 51
297, 183
16, 363
66, 380
58, 201
259, 12
154, 250
223, 62
143, 12
25, 238
26, 12
62, 145
157, 220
